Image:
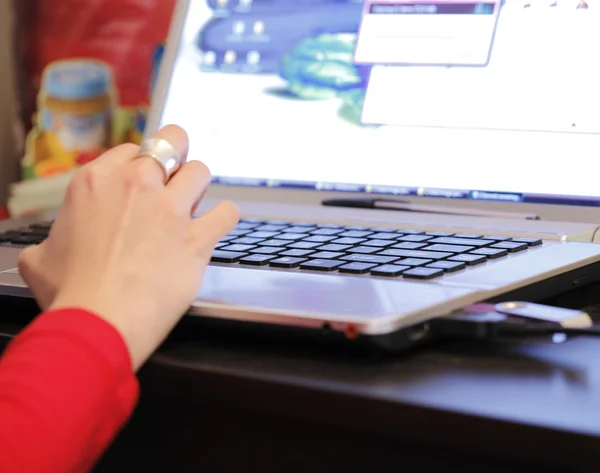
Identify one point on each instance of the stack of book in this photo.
(39, 195)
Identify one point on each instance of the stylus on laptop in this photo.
(402, 205)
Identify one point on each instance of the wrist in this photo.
(141, 323)
(101, 307)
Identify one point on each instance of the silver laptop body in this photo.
(392, 311)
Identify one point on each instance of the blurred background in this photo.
(76, 78)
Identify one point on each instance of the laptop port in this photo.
(419, 332)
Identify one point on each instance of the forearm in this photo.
(66, 388)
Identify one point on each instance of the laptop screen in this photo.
(487, 100)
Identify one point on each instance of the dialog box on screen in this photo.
(427, 33)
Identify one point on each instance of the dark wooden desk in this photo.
(210, 405)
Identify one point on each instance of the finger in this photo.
(115, 157)
(178, 139)
(210, 227)
(175, 135)
(125, 153)
(188, 185)
(197, 203)
(150, 169)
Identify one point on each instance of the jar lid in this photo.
(77, 80)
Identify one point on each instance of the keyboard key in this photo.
(355, 234)
(283, 223)
(383, 236)
(356, 268)
(228, 238)
(275, 242)
(330, 225)
(263, 235)
(217, 246)
(41, 225)
(290, 236)
(319, 238)
(17, 238)
(252, 220)
(267, 250)
(304, 224)
(327, 255)
(389, 270)
(497, 238)
(270, 228)
(246, 225)
(415, 238)
(450, 248)
(384, 230)
(447, 266)
(256, 260)
(491, 253)
(6, 237)
(238, 248)
(440, 234)
(379, 243)
(303, 245)
(414, 262)
(321, 264)
(423, 273)
(348, 241)
(29, 240)
(461, 241)
(286, 262)
(239, 232)
(219, 256)
(511, 246)
(468, 259)
(33, 231)
(468, 235)
(411, 232)
(296, 253)
(529, 241)
(370, 258)
(415, 254)
(363, 249)
(298, 229)
(247, 241)
(327, 231)
(407, 245)
(358, 228)
(334, 247)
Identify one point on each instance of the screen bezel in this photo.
(557, 212)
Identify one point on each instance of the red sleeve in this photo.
(66, 388)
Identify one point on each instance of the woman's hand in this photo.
(124, 245)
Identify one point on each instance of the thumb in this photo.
(213, 225)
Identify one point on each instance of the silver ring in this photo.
(163, 153)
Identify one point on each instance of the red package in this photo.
(123, 33)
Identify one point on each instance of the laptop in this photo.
(393, 161)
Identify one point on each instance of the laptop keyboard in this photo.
(387, 252)
(382, 252)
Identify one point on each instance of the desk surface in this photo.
(549, 394)
(526, 400)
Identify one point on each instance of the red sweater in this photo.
(66, 388)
